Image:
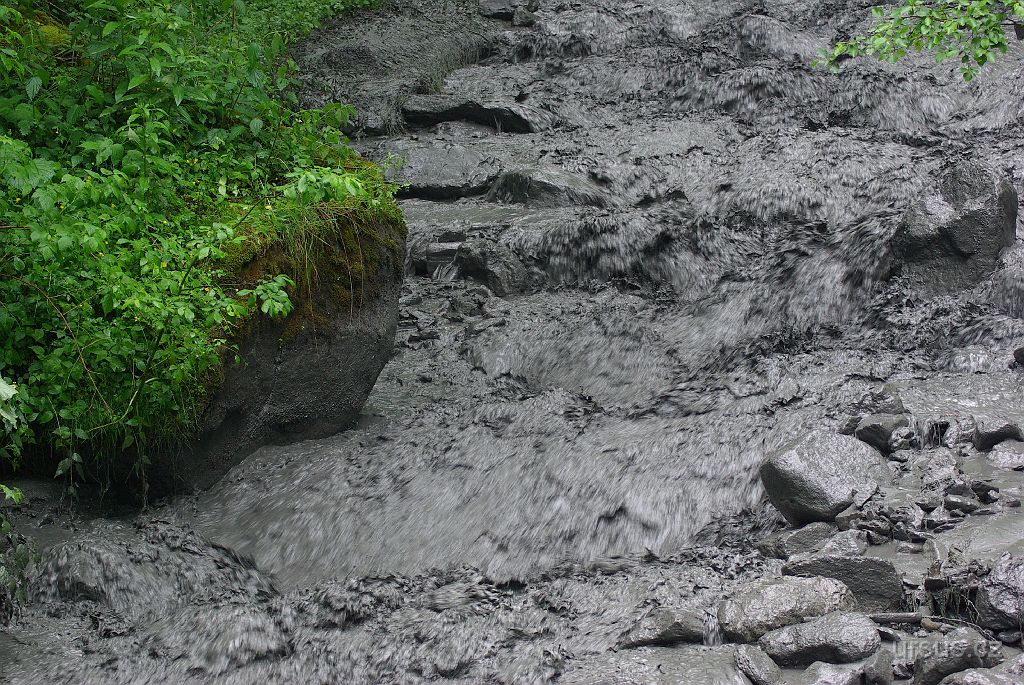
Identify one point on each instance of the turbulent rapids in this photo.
(650, 246)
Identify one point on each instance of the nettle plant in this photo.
(973, 32)
(121, 142)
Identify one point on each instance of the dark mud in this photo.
(649, 246)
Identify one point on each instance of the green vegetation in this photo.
(974, 32)
(148, 152)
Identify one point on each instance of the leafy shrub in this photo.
(121, 150)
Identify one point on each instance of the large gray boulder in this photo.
(838, 638)
(960, 650)
(664, 626)
(1000, 600)
(304, 377)
(875, 583)
(952, 237)
(779, 602)
(821, 475)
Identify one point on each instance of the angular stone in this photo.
(1000, 600)
(989, 431)
(441, 172)
(757, 665)
(785, 544)
(820, 673)
(779, 602)
(959, 650)
(878, 669)
(1007, 455)
(665, 627)
(838, 638)
(876, 429)
(849, 543)
(429, 110)
(875, 583)
(821, 475)
(952, 238)
(492, 263)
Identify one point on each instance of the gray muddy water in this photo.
(649, 244)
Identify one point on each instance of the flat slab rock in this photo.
(839, 638)
(779, 602)
(822, 474)
(875, 583)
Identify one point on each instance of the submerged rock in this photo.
(441, 172)
(952, 238)
(779, 602)
(545, 187)
(875, 583)
(430, 110)
(663, 626)
(821, 475)
(837, 638)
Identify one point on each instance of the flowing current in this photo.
(649, 244)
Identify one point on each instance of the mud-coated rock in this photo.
(1000, 600)
(875, 583)
(1007, 455)
(758, 666)
(989, 431)
(878, 669)
(510, 117)
(959, 650)
(492, 263)
(502, 9)
(779, 602)
(306, 376)
(664, 626)
(981, 676)
(838, 638)
(877, 429)
(821, 673)
(952, 237)
(821, 475)
(545, 187)
(786, 543)
(441, 172)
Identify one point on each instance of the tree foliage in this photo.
(973, 32)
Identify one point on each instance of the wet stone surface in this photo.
(650, 248)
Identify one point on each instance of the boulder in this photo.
(875, 583)
(1000, 600)
(989, 431)
(1007, 455)
(757, 665)
(882, 400)
(779, 602)
(545, 187)
(821, 475)
(877, 429)
(953, 236)
(838, 638)
(663, 627)
(849, 543)
(503, 9)
(981, 676)
(492, 263)
(308, 375)
(878, 669)
(960, 650)
(787, 543)
(441, 172)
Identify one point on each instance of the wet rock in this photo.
(758, 666)
(779, 602)
(502, 9)
(1000, 600)
(877, 429)
(1009, 637)
(430, 110)
(902, 439)
(849, 543)
(991, 430)
(1007, 455)
(523, 17)
(960, 503)
(878, 669)
(493, 264)
(789, 542)
(981, 676)
(839, 637)
(820, 673)
(883, 400)
(821, 475)
(875, 583)
(545, 187)
(961, 649)
(441, 171)
(952, 238)
(665, 627)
